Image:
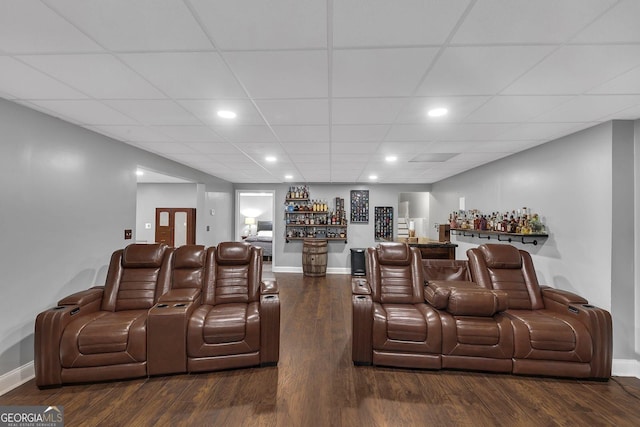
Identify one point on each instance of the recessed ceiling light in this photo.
(391, 158)
(373, 177)
(139, 172)
(437, 112)
(288, 177)
(270, 158)
(226, 114)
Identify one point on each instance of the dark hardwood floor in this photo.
(316, 384)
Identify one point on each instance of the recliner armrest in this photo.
(269, 286)
(360, 286)
(563, 297)
(83, 297)
(465, 298)
(180, 295)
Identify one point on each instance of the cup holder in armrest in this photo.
(361, 297)
(59, 307)
(162, 305)
(180, 305)
(588, 306)
(269, 297)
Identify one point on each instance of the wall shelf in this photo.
(525, 239)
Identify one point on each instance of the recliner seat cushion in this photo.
(104, 338)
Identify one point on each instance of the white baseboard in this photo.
(625, 368)
(17, 377)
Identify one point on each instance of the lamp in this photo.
(250, 222)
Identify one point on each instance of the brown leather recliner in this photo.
(238, 323)
(392, 324)
(101, 333)
(556, 332)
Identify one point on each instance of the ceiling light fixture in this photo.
(373, 177)
(139, 172)
(288, 177)
(391, 158)
(270, 158)
(437, 112)
(226, 114)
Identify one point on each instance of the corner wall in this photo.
(571, 182)
(66, 196)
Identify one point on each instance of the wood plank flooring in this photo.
(316, 384)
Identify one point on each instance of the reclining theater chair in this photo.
(101, 333)
(556, 332)
(393, 326)
(238, 323)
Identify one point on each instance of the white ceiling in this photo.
(328, 87)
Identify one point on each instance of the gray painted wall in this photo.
(152, 196)
(66, 196)
(572, 184)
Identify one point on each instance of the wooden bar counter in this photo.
(432, 249)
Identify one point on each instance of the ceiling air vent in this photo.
(433, 157)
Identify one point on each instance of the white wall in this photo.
(66, 197)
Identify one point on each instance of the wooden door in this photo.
(176, 226)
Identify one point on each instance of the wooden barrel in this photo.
(314, 257)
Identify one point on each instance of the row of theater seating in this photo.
(487, 313)
(162, 311)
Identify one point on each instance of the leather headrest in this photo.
(233, 253)
(140, 255)
(394, 253)
(501, 256)
(189, 256)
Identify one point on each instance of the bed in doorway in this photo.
(263, 238)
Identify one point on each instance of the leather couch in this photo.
(415, 313)
(137, 324)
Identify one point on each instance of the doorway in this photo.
(176, 226)
(254, 219)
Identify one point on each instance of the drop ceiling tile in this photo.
(133, 133)
(361, 133)
(23, 82)
(302, 133)
(246, 133)
(295, 111)
(100, 76)
(212, 147)
(359, 149)
(632, 113)
(361, 111)
(276, 24)
(570, 70)
(481, 158)
(458, 108)
(619, 24)
(479, 70)
(503, 109)
(190, 133)
(403, 149)
(306, 147)
(383, 23)
(626, 83)
(123, 25)
(85, 111)
(282, 74)
(590, 108)
(154, 112)
(541, 131)
(32, 27)
(447, 131)
(186, 75)
(206, 110)
(523, 21)
(311, 158)
(480, 146)
(261, 149)
(379, 72)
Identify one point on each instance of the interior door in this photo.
(176, 226)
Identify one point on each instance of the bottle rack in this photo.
(307, 219)
(525, 239)
(383, 227)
